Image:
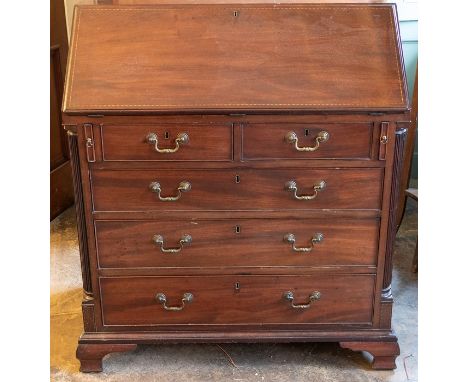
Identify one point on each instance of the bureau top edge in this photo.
(240, 112)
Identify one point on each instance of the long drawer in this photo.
(237, 243)
(243, 189)
(321, 299)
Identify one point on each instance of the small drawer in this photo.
(167, 142)
(237, 243)
(244, 189)
(253, 300)
(307, 141)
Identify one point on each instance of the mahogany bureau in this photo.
(236, 172)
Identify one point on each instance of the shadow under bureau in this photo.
(236, 173)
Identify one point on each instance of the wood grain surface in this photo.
(191, 58)
(346, 141)
(236, 243)
(129, 142)
(218, 189)
(259, 299)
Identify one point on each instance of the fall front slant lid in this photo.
(255, 58)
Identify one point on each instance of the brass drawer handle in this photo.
(292, 186)
(162, 299)
(292, 138)
(183, 187)
(182, 139)
(291, 239)
(289, 296)
(184, 240)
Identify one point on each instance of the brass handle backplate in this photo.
(182, 139)
(291, 137)
(186, 299)
(184, 240)
(291, 239)
(183, 187)
(292, 186)
(289, 296)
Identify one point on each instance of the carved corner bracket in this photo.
(384, 353)
(91, 355)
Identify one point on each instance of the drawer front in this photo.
(138, 190)
(237, 300)
(307, 141)
(167, 142)
(236, 243)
